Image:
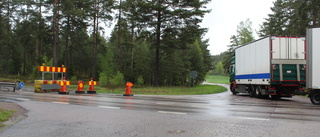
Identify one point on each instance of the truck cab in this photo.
(232, 75)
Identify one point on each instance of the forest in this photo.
(153, 42)
(288, 18)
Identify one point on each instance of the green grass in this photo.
(149, 90)
(217, 79)
(4, 116)
(7, 80)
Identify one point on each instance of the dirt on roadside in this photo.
(19, 113)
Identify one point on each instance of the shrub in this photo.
(140, 81)
(103, 79)
(117, 80)
(74, 80)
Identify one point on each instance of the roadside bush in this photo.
(35, 73)
(140, 81)
(117, 80)
(74, 80)
(103, 79)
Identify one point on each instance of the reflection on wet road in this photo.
(218, 105)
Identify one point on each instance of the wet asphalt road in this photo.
(104, 115)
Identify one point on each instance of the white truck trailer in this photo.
(274, 65)
(313, 64)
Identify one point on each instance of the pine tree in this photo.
(244, 35)
(161, 15)
(291, 17)
(276, 22)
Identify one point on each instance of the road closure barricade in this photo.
(44, 86)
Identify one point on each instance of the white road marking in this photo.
(105, 99)
(109, 107)
(61, 103)
(261, 119)
(24, 99)
(202, 105)
(165, 103)
(170, 112)
(137, 101)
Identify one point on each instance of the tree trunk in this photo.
(119, 26)
(1, 38)
(94, 42)
(67, 42)
(132, 43)
(55, 33)
(24, 60)
(157, 57)
(95, 49)
(6, 54)
(39, 48)
(118, 55)
(95, 17)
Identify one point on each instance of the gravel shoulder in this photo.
(19, 113)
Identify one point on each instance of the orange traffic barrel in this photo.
(80, 88)
(91, 84)
(128, 89)
(63, 84)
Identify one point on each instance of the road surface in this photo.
(223, 114)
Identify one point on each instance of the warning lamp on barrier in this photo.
(80, 88)
(128, 89)
(91, 84)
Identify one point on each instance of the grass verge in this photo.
(5, 115)
(217, 79)
(149, 90)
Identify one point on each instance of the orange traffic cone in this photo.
(128, 89)
(80, 88)
(91, 84)
(63, 84)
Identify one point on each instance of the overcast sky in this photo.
(227, 14)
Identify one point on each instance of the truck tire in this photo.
(265, 96)
(315, 98)
(257, 92)
(251, 91)
(233, 90)
(275, 97)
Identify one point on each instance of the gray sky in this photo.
(227, 14)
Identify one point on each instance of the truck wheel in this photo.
(315, 98)
(234, 91)
(265, 96)
(275, 97)
(251, 91)
(258, 92)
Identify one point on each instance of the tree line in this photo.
(153, 42)
(288, 18)
(291, 17)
